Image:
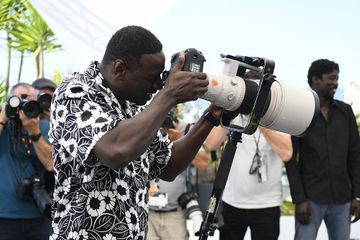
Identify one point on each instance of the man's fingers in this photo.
(303, 217)
(179, 62)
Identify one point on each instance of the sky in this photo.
(292, 33)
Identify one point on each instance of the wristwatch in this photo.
(35, 137)
(208, 116)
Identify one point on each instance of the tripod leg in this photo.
(207, 227)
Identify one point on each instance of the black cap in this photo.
(44, 83)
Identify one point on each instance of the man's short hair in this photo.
(319, 67)
(129, 43)
(44, 83)
(20, 84)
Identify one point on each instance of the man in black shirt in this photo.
(324, 172)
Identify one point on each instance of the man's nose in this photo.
(336, 82)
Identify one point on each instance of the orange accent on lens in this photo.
(214, 82)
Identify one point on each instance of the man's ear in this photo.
(119, 68)
(315, 80)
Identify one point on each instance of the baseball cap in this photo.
(44, 83)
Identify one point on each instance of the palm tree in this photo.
(33, 35)
(10, 13)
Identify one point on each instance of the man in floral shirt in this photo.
(107, 146)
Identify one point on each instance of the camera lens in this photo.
(188, 202)
(31, 108)
(44, 100)
(12, 107)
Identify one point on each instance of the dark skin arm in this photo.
(201, 159)
(185, 149)
(116, 148)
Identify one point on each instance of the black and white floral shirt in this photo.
(92, 201)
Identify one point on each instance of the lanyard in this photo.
(256, 163)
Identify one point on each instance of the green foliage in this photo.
(10, 13)
(32, 34)
(26, 32)
(358, 120)
(3, 93)
(57, 78)
(287, 209)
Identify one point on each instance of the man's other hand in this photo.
(302, 212)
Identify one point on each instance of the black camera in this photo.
(189, 203)
(170, 119)
(33, 190)
(44, 100)
(32, 109)
(194, 62)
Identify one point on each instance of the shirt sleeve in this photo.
(354, 154)
(293, 174)
(79, 124)
(159, 154)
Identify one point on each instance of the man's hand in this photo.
(355, 209)
(219, 112)
(31, 125)
(3, 117)
(302, 212)
(185, 86)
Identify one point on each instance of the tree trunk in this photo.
(42, 62)
(37, 66)
(7, 78)
(20, 67)
(39, 59)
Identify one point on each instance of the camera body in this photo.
(33, 190)
(32, 109)
(189, 203)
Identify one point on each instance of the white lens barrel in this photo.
(291, 109)
(225, 91)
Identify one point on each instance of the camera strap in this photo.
(20, 153)
(256, 163)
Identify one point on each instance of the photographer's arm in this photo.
(3, 118)
(279, 142)
(185, 149)
(216, 138)
(201, 160)
(42, 148)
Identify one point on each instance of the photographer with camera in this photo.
(108, 146)
(171, 203)
(46, 89)
(25, 155)
(253, 192)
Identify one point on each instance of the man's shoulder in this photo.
(78, 84)
(343, 106)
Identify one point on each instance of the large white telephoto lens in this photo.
(287, 109)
